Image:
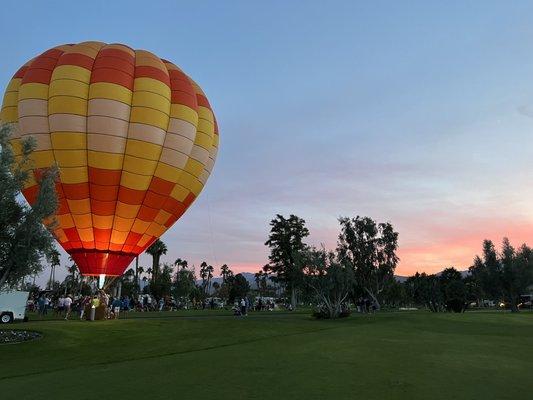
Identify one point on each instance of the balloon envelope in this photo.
(134, 138)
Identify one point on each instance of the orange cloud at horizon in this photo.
(459, 250)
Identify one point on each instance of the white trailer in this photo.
(13, 305)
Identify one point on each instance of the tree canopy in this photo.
(24, 239)
(369, 248)
(286, 252)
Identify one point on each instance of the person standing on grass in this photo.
(60, 305)
(83, 303)
(116, 307)
(243, 307)
(161, 304)
(67, 304)
(126, 303)
(40, 304)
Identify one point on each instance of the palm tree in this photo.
(210, 270)
(203, 274)
(156, 250)
(181, 263)
(225, 272)
(136, 285)
(206, 273)
(54, 262)
(73, 271)
(258, 276)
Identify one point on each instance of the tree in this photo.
(225, 272)
(206, 274)
(184, 284)
(181, 264)
(73, 278)
(257, 278)
(227, 281)
(394, 294)
(506, 275)
(369, 249)
(139, 271)
(156, 250)
(137, 283)
(426, 290)
(24, 240)
(286, 252)
(239, 288)
(517, 272)
(261, 281)
(453, 289)
(54, 261)
(161, 285)
(486, 273)
(329, 280)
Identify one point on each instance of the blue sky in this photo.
(420, 114)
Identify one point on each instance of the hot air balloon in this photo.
(134, 139)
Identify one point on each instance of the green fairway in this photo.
(199, 355)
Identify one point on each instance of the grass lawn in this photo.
(212, 355)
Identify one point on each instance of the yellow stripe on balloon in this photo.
(33, 91)
(73, 175)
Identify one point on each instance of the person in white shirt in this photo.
(67, 303)
(60, 305)
(243, 307)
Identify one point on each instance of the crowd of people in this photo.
(365, 305)
(104, 306)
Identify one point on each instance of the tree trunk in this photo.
(376, 302)
(3, 279)
(137, 283)
(293, 298)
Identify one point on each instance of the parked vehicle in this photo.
(13, 306)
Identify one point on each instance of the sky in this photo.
(416, 113)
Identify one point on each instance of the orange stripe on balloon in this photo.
(111, 52)
(144, 71)
(102, 207)
(161, 186)
(103, 193)
(173, 206)
(72, 234)
(102, 235)
(102, 176)
(76, 191)
(147, 214)
(154, 200)
(21, 72)
(133, 238)
(79, 60)
(189, 199)
(46, 63)
(130, 196)
(202, 101)
(110, 75)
